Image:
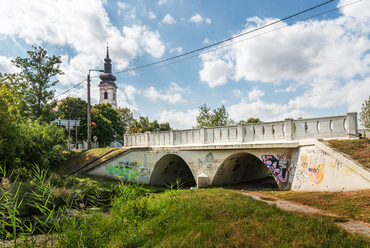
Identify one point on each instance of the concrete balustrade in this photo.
(343, 126)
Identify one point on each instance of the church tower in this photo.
(108, 87)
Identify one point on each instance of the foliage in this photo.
(37, 72)
(214, 118)
(144, 125)
(41, 144)
(75, 109)
(365, 113)
(253, 120)
(8, 128)
(109, 126)
(126, 116)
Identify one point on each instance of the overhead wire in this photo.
(226, 40)
(220, 47)
(221, 42)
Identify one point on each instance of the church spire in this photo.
(108, 87)
(107, 64)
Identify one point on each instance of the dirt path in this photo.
(350, 226)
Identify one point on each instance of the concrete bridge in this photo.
(294, 152)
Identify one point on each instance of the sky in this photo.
(312, 65)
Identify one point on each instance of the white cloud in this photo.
(168, 19)
(206, 41)
(179, 119)
(290, 88)
(152, 15)
(172, 95)
(7, 66)
(160, 2)
(262, 110)
(359, 10)
(177, 50)
(197, 18)
(255, 95)
(122, 6)
(84, 30)
(130, 92)
(216, 72)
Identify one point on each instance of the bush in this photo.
(41, 144)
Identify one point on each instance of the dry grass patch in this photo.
(78, 158)
(350, 204)
(359, 149)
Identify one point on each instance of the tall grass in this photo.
(178, 218)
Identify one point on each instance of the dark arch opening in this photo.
(241, 168)
(170, 168)
(105, 95)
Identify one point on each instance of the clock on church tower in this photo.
(108, 87)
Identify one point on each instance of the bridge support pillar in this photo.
(352, 124)
(289, 129)
(240, 133)
(203, 135)
(202, 180)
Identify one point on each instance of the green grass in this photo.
(204, 218)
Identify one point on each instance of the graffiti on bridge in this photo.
(278, 167)
(129, 170)
(315, 171)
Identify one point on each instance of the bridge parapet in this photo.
(341, 126)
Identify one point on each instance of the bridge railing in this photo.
(342, 126)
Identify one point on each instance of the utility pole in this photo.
(89, 110)
(88, 113)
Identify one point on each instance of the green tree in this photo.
(9, 134)
(37, 73)
(144, 125)
(41, 144)
(108, 124)
(250, 120)
(214, 118)
(365, 114)
(126, 117)
(75, 109)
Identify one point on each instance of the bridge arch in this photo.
(240, 167)
(170, 168)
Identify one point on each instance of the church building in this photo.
(108, 87)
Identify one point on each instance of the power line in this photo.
(69, 89)
(226, 40)
(220, 47)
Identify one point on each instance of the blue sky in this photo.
(316, 67)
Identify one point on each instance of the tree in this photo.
(108, 124)
(144, 125)
(214, 118)
(41, 144)
(37, 73)
(9, 134)
(126, 117)
(75, 109)
(365, 113)
(250, 120)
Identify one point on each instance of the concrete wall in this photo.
(319, 168)
(343, 126)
